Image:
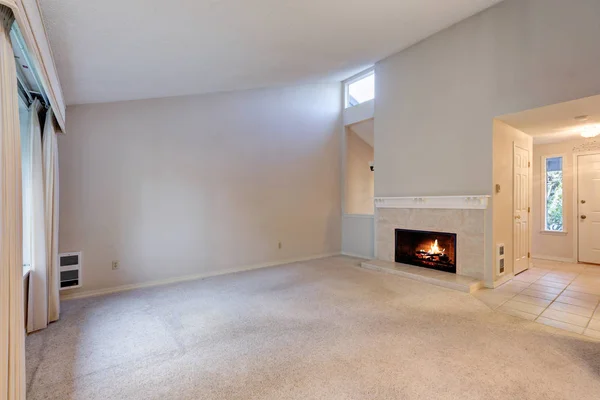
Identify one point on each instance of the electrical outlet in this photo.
(115, 265)
(279, 245)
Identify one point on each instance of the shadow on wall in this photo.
(360, 179)
(196, 185)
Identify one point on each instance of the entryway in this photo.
(555, 189)
(547, 267)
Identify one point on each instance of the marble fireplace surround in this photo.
(463, 215)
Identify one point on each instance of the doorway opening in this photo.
(546, 214)
(565, 206)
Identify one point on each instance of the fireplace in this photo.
(435, 250)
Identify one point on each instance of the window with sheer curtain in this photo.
(553, 199)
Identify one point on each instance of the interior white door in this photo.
(588, 188)
(521, 209)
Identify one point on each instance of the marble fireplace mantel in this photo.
(478, 202)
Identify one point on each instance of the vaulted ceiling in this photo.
(114, 50)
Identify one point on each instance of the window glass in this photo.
(26, 181)
(554, 194)
(361, 90)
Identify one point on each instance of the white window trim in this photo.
(353, 79)
(554, 233)
(544, 231)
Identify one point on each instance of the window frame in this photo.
(544, 195)
(356, 78)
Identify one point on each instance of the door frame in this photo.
(576, 199)
(529, 201)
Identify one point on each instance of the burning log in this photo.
(434, 254)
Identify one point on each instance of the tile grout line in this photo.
(522, 290)
(592, 317)
(507, 300)
(552, 302)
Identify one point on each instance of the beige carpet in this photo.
(317, 330)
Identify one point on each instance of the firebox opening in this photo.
(435, 250)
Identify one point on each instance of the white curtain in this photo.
(33, 201)
(50, 164)
(12, 333)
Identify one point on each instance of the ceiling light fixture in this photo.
(590, 131)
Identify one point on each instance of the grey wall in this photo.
(358, 235)
(439, 97)
(200, 185)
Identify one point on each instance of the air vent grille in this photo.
(70, 270)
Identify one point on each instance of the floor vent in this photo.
(70, 270)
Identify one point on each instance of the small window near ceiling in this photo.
(360, 89)
(553, 204)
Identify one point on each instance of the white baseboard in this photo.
(345, 253)
(551, 258)
(124, 288)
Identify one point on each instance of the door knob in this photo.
(582, 201)
(517, 217)
(583, 217)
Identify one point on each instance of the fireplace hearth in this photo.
(434, 250)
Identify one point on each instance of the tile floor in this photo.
(562, 295)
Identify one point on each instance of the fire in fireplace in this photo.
(435, 250)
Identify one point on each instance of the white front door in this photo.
(521, 209)
(588, 187)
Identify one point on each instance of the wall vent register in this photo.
(70, 270)
(500, 258)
